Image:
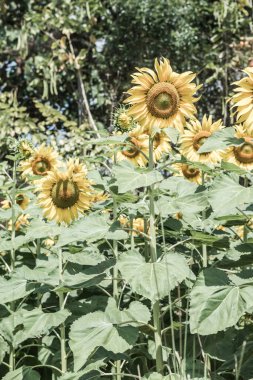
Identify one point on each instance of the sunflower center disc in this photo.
(189, 171)
(244, 153)
(41, 166)
(132, 149)
(200, 139)
(65, 193)
(20, 199)
(163, 100)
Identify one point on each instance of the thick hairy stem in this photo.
(153, 256)
(204, 247)
(62, 327)
(13, 253)
(115, 281)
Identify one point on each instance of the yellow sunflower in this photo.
(42, 160)
(138, 224)
(21, 200)
(241, 155)
(63, 195)
(25, 148)
(21, 221)
(243, 99)
(136, 148)
(161, 145)
(195, 136)
(189, 172)
(123, 121)
(162, 98)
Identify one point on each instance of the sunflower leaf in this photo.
(130, 178)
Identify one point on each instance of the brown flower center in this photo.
(40, 166)
(132, 149)
(189, 171)
(200, 138)
(65, 193)
(20, 199)
(163, 100)
(244, 153)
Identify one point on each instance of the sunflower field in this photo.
(126, 190)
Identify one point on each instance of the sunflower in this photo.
(243, 99)
(63, 195)
(189, 172)
(138, 224)
(161, 144)
(136, 148)
(195, 136)
(242, 155)
(162, 98)
(20, 222)
(123, 121)
(42, 160)
(25, 148)
(20, 199)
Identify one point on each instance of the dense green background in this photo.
(111, 38)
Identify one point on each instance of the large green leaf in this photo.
(90, 228)
(129, 177)
(217, 302)
(13, 289)
(36, 323)
(220, 140)
(153, 280)
(189, 204)
(114, 330)
(226, 195)
(22, 373)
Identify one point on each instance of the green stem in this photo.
(204, 248)
(62, 327)
(116, 293)
(13, 253)
(153, 256)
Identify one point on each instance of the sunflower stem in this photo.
(13, 253)
(204, 248)
(153, 256)
(62, 327)
(116, 294)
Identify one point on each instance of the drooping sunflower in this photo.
(42, 160)
(63, 195)
(20, 199)
(162, 98)
(195, 136)
(241, 155)
(243, 99)
(136, 148)
(188, 171)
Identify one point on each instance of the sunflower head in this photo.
(64, 195)
(188, 171)
(242, 99)
(136, 147)
(20, 200)
(123, 121)
(20, 222)
(42, 160)
(195, 136)
(242, 155)
(25, 148)
(162, 97)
